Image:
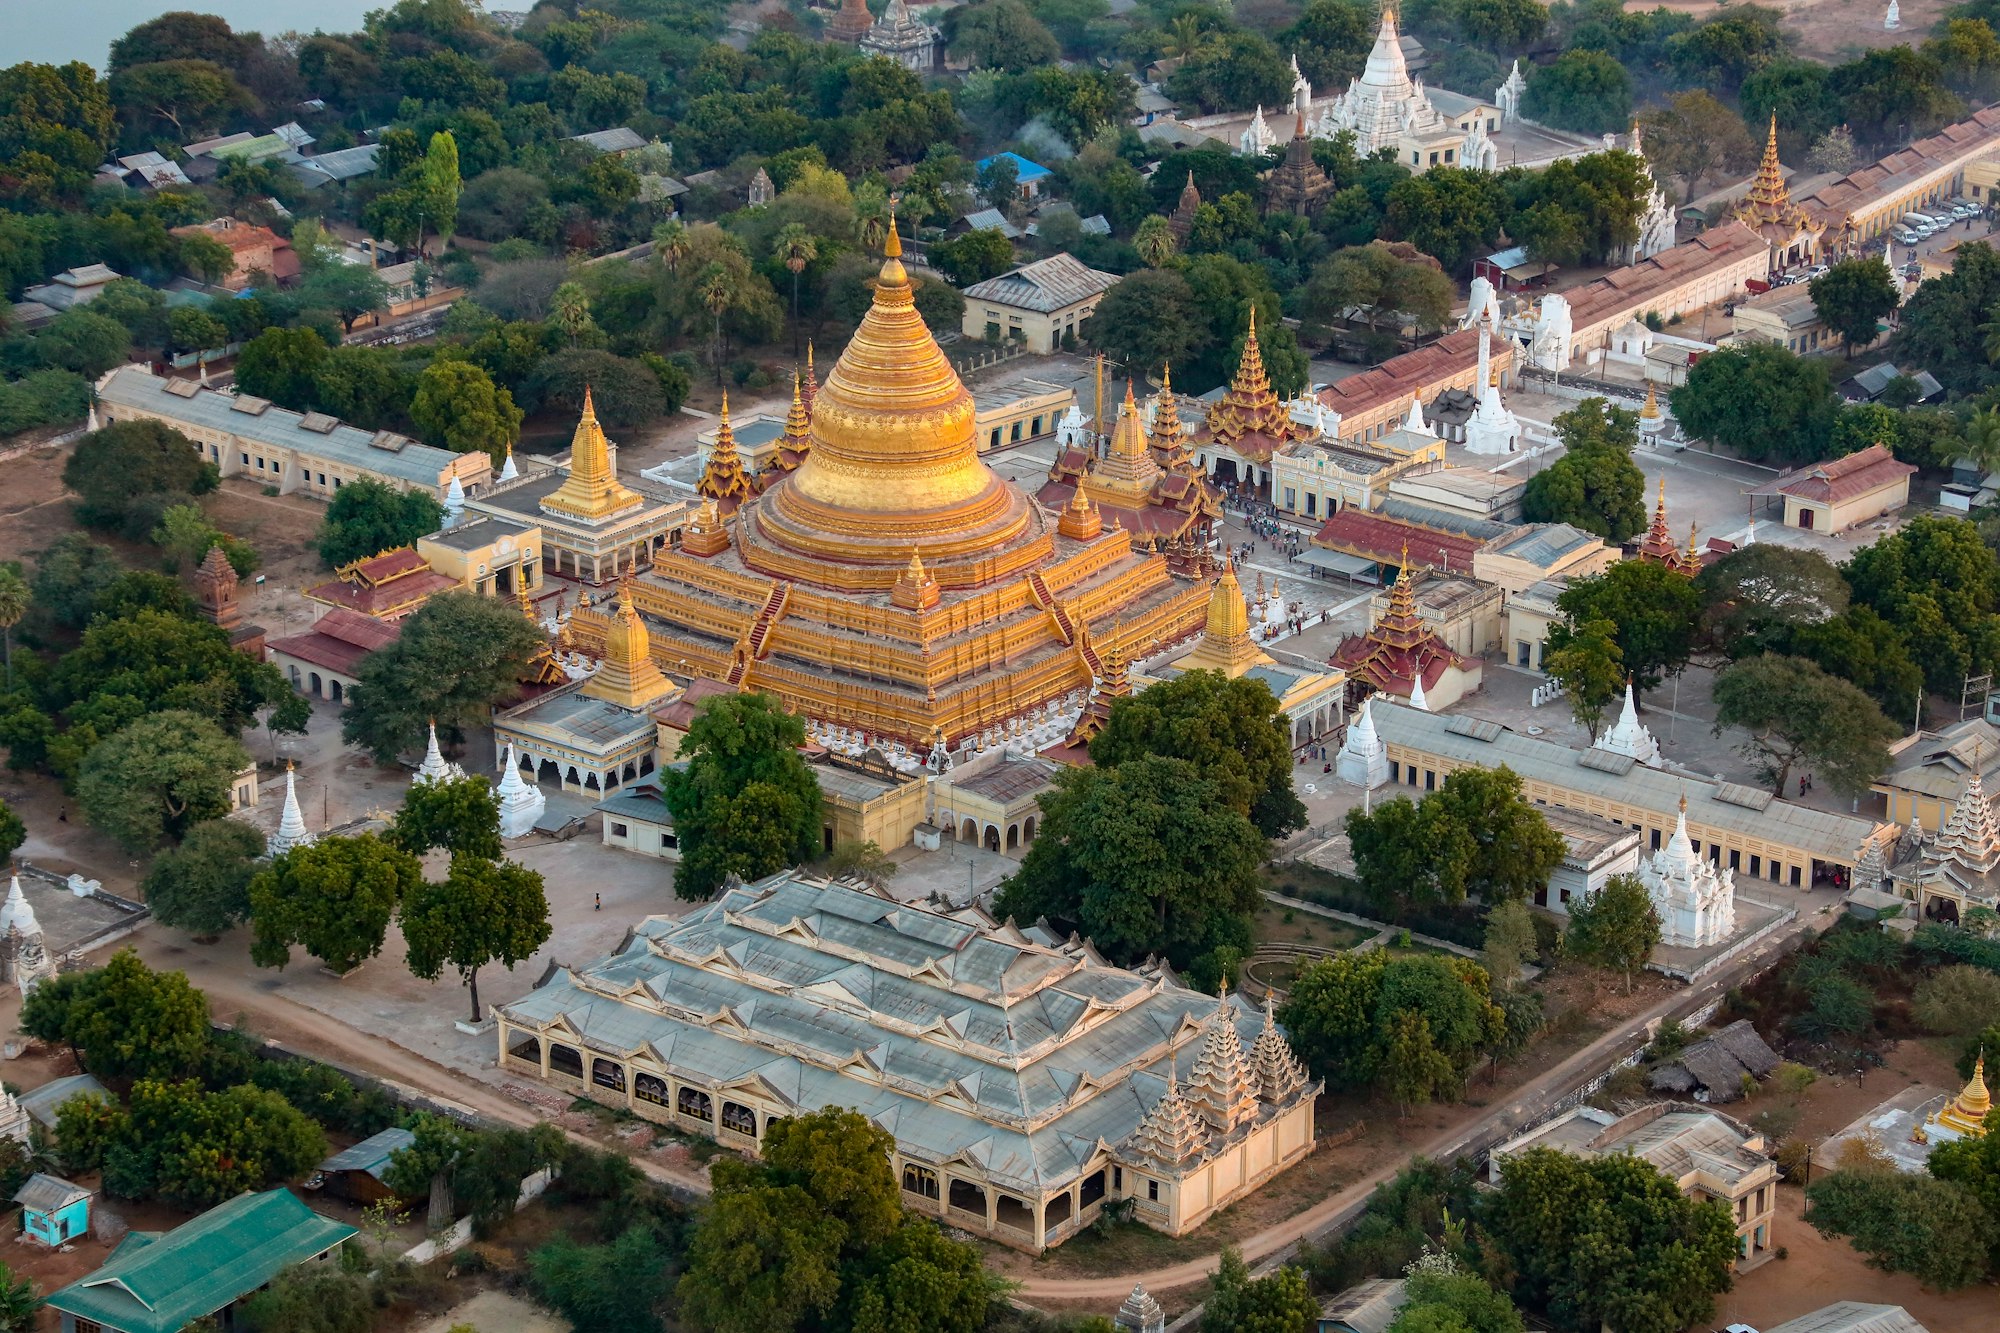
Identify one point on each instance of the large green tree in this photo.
(1763, 588)
(458, 407)
(333, 898)
(1609, 1240)
(1379, 283)
(368, 517)
(121, 473)
(1279, 1302)
(1148, 319)
(745, 803)
(1936, 1229)
(1000, 34)
(1934, 331)
(283, 365)
(1760, 400)
(1587, 663)
(1595, 485)
(203, 886)
(1938, 585)
(457, 656)
(1231, 730)
(124, 1020)
(1799, 717)
(1693, 136)
(1615, 928)
(460, 815)
(197, 1149)
(155, 779)
(127, 666)
(1147, 857)
(1853, 297)
(1653, 607)
(56, 121)
(1476, 834)
(484, 912)
(1586, 91)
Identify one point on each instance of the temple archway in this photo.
(970, 832)
(992, 838)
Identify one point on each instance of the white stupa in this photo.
(1415, 423)
(1363, 759)
(508, 472)
(521, 801)
(292, 830)
(1629, 736)
(1417, 700)
(1696, 898)
(1492, 428)
(454, 501)
(26, 962)
(436, 768)
(1508, 95)
(1255, 141)
(1893, 19)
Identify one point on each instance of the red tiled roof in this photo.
(1832, 204)
(1402, 375)
(680, 713)
(1843, 479)
(1356, 532)
(339, 640)
(378, 599)
(390, 564)
(1632, 289)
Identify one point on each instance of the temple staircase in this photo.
(1065, 625)
(752, 647)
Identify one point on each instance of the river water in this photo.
(84, 29)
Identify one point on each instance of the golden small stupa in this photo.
(1226, 645)
(723, 479)
(592, 492)
(1966, 1113)
(542, 667)
(628, 677)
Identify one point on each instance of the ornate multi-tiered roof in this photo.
(1129, 485)
(592, 492)
(1181, 221)
(799, 600)
(1659, 546)
(292, 830)
(723, 479)
(1400, 654)
(1792, 233)
(1249, 420)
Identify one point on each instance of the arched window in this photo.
(920, 1181)
(608, 1074)
(565, 1060)
(740, 1118)
(695, 1102)
(649, 1089)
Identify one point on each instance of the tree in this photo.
(426, 1164)
(1145, 857)
(569, 311)
(1510, 942)
(70, 578)
(203, 886)
(457, 655)
(1585, 91)
(186, 98)
(1155, 242)
(1853, 297)
(348, 290)
(1799, 716)
(82, 341)
(1894, 95)
(1280, 1302)
(156, 778)
(486, 911)
(746, 803)
(458, 407)
(62, 115)
(622, 1287)
(1454, 1302)
(1147, 319)
(121, 472)
(1759, 400)
(1693, 136)
(460, 815)
(1587, 663)
(625, 391)
(1615, 928)
(1937, 584)
(124, 1020)
(1932, 332)
(1231, 71)
(1958, 1001)
(1974, 1165)
(440, 186)
(974, 257)
(919, 1278)
(15, 600)
(1595, 485)
(311, 1298)
(1609, 1240)
(282, 365)
(1413, 1069)
(1378, 282)
(1763, 588)
(1510, 848)
(796, 249)
(1000, 34)
(1332, 39)
(1451, 213)
(850, 859)
(197, 1149)
(1653, 607)
(333, 898)
(129, 665)
(1231, 730)
(367, 517)
(193, 330)
(1934, 1229)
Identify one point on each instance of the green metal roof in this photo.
(162, 1284)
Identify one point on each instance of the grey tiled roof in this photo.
(1542, 544)
(1853, 1317)
(1045, 286)
(1006, 1048)
(1830, 837)
(616, 140)
(418, 465)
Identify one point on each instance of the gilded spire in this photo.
(592, 491)
(628, 675)
(1770, 200)
(1225, 643)
(1127, 471)
(1250, 407)
(1220, 1084)
(1080, 519)
(723, 480)
(812, 378)
(915, 589)
(1691, 557)
(1967, 1112)
(1277, 1068)
(1659, 546)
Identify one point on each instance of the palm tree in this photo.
(871, 216)
(14, 601)
(17, 1303)
(797, 248)
(1184, 36)
(717, 291)
(671, 243)
(1982, 440)
(1155, 242)
(570, 308)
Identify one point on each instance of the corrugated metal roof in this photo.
(372, 1154)
(42, 1103)
(1045, 286)
(48, 1194)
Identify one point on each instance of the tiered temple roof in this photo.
(723, 479)
(1399, 653)
(1768, 208)
(592, 492)
(628, 676)
(1181, 221)
(385, 586)
(1249, 419)
(1130, 485)
(1659, 547)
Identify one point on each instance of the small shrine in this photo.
(521, 802)
(216, 591)
(24, 954)
(1492, 428)
(1297, 184)
(1157, 504)
(1248, 423)
(723, 480)
(902, 37)
(1402, 656)
(1696, 898)
(435, 767)
(1181, 221)
(1363, 758)
(1658, 545)
(292, 831)
(1959, 868)
(1629, 736)
(1964, 1116)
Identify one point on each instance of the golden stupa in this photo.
(1966, 1113)
(819, 594)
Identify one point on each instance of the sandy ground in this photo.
(1829, 30)
(497, 1312)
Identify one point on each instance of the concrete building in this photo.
(1316, 478)
(494, 557)
(252, 249)
(1833, 496)
(1529, 614)
(1485, 497)
(310, 452)
(1037, 304)
(1787, 317)
(1538, 552)
(990, 801)
(325, 661)
(1711, 1156)
(1594, 849)
(1931, 769)
(1870, 200)
(1019, 412)
(867, 800)
(1756, 835)
(637, 820)
(1852, 1317)
(72, 287)
(1027, 1083)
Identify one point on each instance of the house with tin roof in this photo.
(160, 1282)
(1836, 495)
(1036, 304)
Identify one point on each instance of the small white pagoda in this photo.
(24, 956)
(521, 802)
(1629, 736)
(292, 831)
(1493, 428)
(1363, 758)
(436, 768)
(1696, 898)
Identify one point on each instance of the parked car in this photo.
(1904, 236)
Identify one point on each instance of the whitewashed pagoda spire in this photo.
(1363, 758)
(292, 831)
(25, 961)
(521, 802)
(436, 768)
(1628, 736)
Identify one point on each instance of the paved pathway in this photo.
(1338, 1210)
